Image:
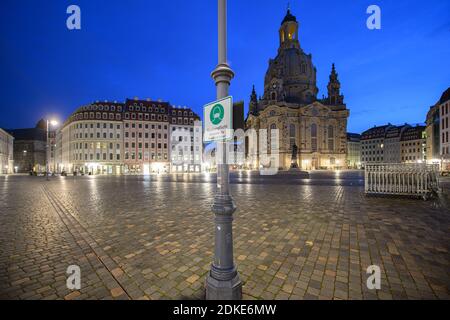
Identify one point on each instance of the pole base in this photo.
(223, 289)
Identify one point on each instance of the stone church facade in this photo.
(313, 129)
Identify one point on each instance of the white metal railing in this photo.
(402, 179)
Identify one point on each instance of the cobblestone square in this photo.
(152, 238)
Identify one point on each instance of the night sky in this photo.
(167, 49)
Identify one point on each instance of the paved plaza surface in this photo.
(296, 237)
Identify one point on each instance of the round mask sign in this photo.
(217, 113)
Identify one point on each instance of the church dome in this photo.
(291, 76)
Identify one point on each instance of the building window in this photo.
(331, 138)
(314, 137)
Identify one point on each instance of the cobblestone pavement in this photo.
(152, 238)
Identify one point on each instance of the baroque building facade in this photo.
(353, 150)
(186, 146)
(29, 148)
(444, 107)
(6, 152)
(393, 144)
(120, 138)
(433, 122)
(313, 129)
(413, 145)
(372, 144)
(91, 140)
(391, 147)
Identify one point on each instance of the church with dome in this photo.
(312, 131)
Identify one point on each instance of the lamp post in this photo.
(53, 123)
(222, 282)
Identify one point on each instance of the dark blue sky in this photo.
(167, 49)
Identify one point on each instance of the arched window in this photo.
(314, 137)
(330, 138)
(273, 127)
(274, 96)
(303, 68)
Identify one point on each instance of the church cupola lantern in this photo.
(289, 32)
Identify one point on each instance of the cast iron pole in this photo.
(222, 282)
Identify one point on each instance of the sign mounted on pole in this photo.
(218, 117)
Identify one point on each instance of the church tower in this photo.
(334, 89)
(253, 107)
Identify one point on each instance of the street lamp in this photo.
(53, 123)
(223, 282)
